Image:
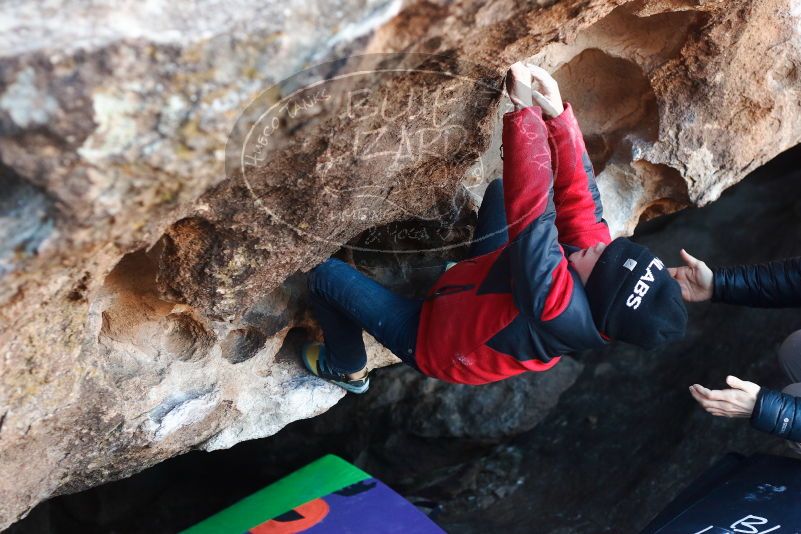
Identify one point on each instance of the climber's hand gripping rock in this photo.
(529, 84)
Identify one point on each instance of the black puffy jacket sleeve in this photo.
(768, 285)
(777, 413)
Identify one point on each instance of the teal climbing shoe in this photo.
(313, 356)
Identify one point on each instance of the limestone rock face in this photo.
(152, 277)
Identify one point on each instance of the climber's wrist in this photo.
(551, 108)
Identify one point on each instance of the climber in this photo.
(543, 277)
(770, 285)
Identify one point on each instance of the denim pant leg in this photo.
(345, 301)
(491, 228)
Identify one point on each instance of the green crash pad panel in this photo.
(328, 495)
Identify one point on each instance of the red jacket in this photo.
(520, 307)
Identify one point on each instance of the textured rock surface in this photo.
(619, 445)
(146, 300)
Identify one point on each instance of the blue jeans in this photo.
(345, 301)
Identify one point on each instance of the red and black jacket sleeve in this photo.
(768, 285)
(541, 282)
(579, 212)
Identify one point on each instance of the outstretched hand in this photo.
(695, 279)
(739, 401)
(527, 83)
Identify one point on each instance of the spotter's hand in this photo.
(739, 401)
(695, 279)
